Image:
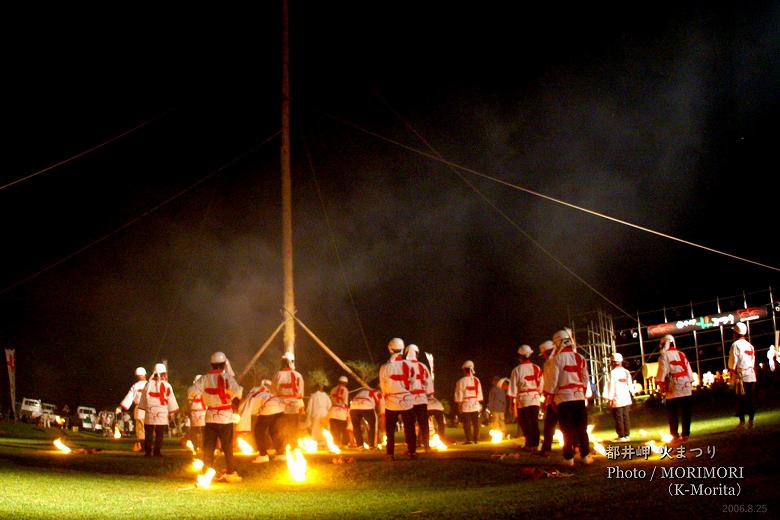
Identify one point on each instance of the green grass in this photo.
(463, 482)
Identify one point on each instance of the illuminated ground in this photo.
(463, 482)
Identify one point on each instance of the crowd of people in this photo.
(558, 391)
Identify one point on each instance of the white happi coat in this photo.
(674, 369)
(618, 388)
(158, 401)
(339, 398)
(218, 389)
(250, 407)
(197, 408)
(742, 360)
(468, 394)
(287, 385)
(395, 377)
(569, 380)
(366, 399)
(317, 410)
(526, 384)
(133, 397)
(434, 404)
(421, 384)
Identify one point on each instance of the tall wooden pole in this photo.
(287, 239)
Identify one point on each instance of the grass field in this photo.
(469, 481)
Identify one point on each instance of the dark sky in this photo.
(659, 114)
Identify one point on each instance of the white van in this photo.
(30, 409)
(87, 416)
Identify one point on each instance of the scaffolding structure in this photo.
(598, 331)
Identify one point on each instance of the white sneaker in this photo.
(587, 459)
(625, 439)
(261, 458)
(568, 462)
(233, 477)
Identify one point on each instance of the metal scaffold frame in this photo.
(598, 348)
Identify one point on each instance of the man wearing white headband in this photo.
(469, 398)
(674, 379)
(617, 392)
(742, 365)
(396, 376)
(287, 385)
(159, 403)
(525, 388)
(221, 393)
(132, 398)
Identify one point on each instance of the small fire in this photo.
(384, 442)
(204, 481)
(496, 436)
(61, 446)
(437, 444)
(191, 446)
(366, 446)
(590, 428)
(654, 447)
(236, 418)
(296, 463)
(599, 448)
(308, 445)
(245, 447)
(197, 464)
(329, 439)
(558, 437)
(667, 438)
(643, 433)
(117, 433)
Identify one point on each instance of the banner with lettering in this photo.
(706, 322)
(10, 361)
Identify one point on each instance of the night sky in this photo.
(658, 114)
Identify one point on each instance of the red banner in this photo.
(706, 322)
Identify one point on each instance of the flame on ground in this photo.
(558, 436)
(245, 447)
(190, 446)
(61, 446)
(197, 464)
(496, 436)
(204, 481)
(436, 443)
(307, 444)
(117, 433)
(655, 448)
(329, 439)
(643, 433)
(599, 448)
(366, 446)
(296, 463)
(236, 418)
(383, 443)
(667, 438)
(590, 428)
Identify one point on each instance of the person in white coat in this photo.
(618, 390)
(525, 388)
(158, 402)
(422, 387)
(132, 398)
(197, 415)
(395, 377)
(367, 405)
(674, 379)
(742, 366)
(221, 394)
(316, 413)
(567, 389)
(287, 385)
(338, 415)
(469, 399)
(269, 410)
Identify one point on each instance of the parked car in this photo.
(87, 418)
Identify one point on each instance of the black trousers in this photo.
(550, 422)
(339, 430)
(196, 435)
(288, 429)
(622, 421)
(357, 418)
(676, 409)
(746, 402)
(154, 434)
(223, 432)
(528, 422)
(267, 434)
(421, 418)
(574, 423)
(438, 419)
(470, 422)
(391, 419)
